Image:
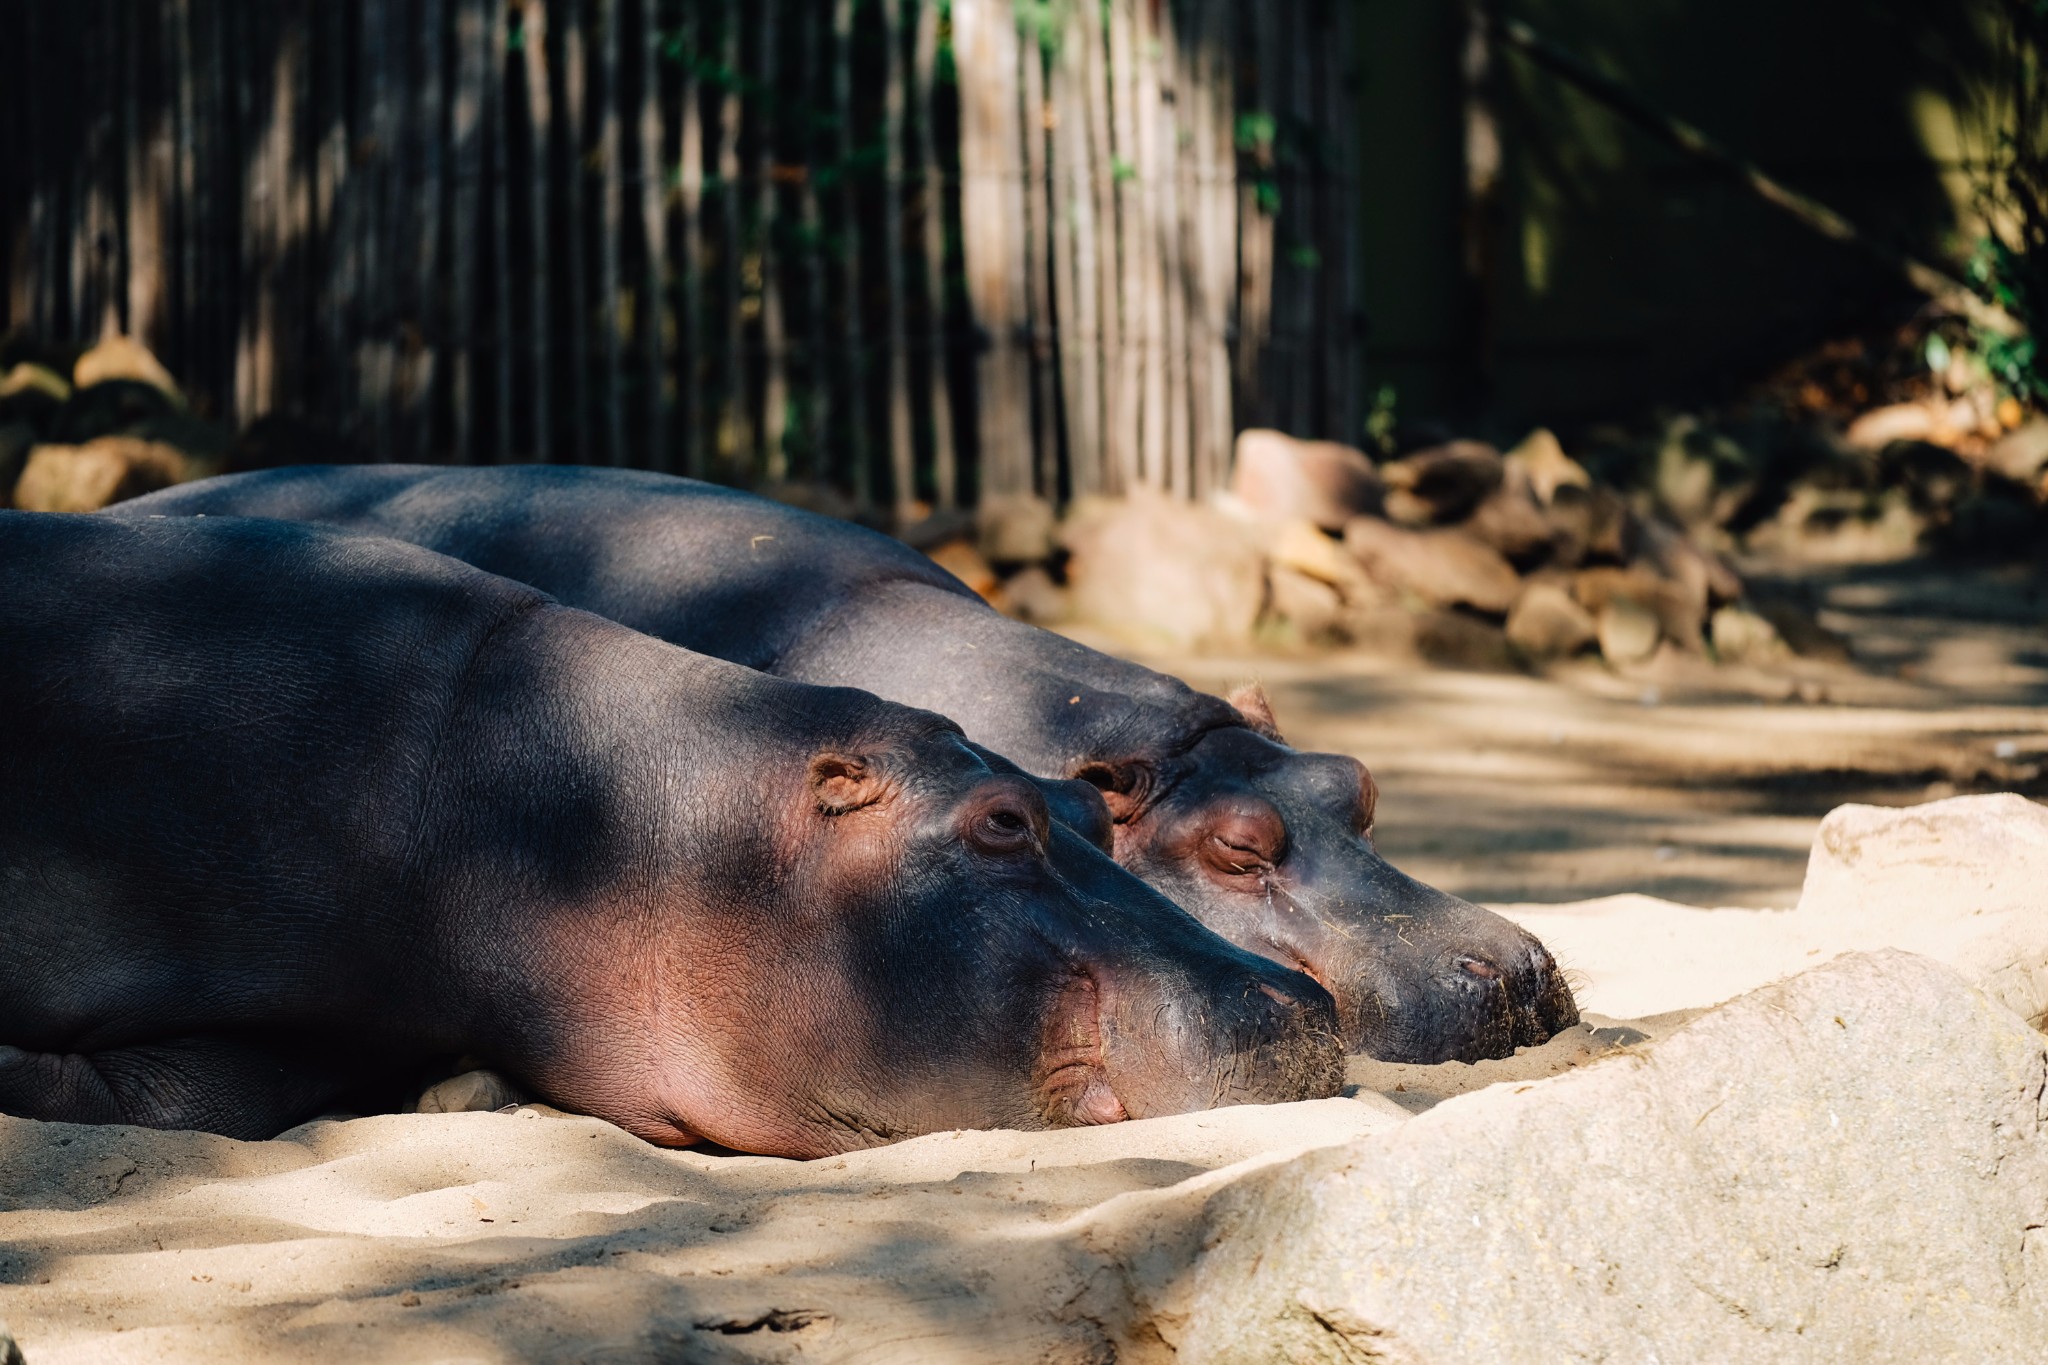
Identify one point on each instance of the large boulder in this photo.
(1157, 569)
(85, 478)
(1279, 478)
(1849, 1165)
(1539, 461)
(1443, 567)
(1545, 623)
(125, 358)
(2021, 454)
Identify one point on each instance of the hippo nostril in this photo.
(1480, 967)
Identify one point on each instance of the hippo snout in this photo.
(1481, 1001)
(1258, 1034)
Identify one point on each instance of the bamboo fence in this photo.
(922, 252)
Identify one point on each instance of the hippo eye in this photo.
(1004, 830)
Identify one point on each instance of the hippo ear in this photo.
(1251, 703)
(1124, 785)
(842, 783)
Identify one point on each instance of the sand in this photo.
(528, 1235)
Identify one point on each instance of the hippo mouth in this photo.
(1073, 1074)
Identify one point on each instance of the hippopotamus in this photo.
(1267, 845)
(287, 815)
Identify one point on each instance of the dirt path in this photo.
(1682, 781)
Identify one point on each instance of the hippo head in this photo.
(919, 947)
(1272, 848)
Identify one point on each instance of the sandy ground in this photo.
(527, 1235)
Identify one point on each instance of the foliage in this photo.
(2010, 265)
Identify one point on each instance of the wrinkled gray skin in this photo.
(286, 815)
(1269, 846)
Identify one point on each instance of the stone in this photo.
(1441, 484)
(112, 407)
(1157, 569)
(1545, 623)
(1704, 577)
(472, 1092)
(1300, 546)
(29, 378)
(1031, 595)
(1680, 615)
(1540, 461)
(1512, 521)
(1280, 478)
(1443, 567)
(1966, 875)
(1851, 1164)
(964, 562)
(1879, 427)
(10, 1350)
(1628, 631)
(120, 357)
(1743, 637)
(1308, 605)
(2021, 454)
(1454, 639)
(1015, 529)
(85, 478)
(16, 440)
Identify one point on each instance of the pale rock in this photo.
(1678, 613)
(88, 477)
(1443, 567)
(121, 357)
(1277, 477)
(1541, 461)
(1512, 521)
(1879, 427)
(1744, 637)
(1628, 631)
(1015, 529)
(471, 1092)
(2021, 454)
(29, 377)
(1968, 877)
(1158, 569)
(1545, 623)
(1310, 605)
(1031, 595)
(1848, 1165)
(1302, 547)
(964, 562)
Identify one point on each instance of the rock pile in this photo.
(77, 434)
(1473, 556)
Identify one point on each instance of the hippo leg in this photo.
(219, 1085)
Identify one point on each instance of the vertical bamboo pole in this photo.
(533, 29)
(817, 351)
(1165, 50)
(1255, 235)
(985, 48)
(1103, 181)
(902, 466)
(1132, 257)
(465, 129)
(1297, 225)
(690, 368)
(1480, 205)
(141, 229)
(653, 301)
(1075, 253)
(932, 212)
(330, 170)
(1151, 166)
(575, 224)
(611, 213)
(428, 221)
(853, 334)
(1342, 378)
(497, 116)
(774, 347)
(1220, 224)
(734, 440)
(1037, 223)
